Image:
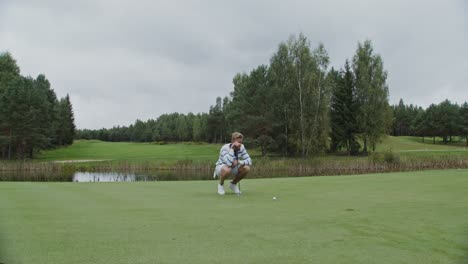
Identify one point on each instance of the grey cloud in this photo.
(123, 60)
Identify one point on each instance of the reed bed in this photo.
(263, 167)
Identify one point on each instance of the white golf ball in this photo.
(274, 198)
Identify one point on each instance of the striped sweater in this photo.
(227, 156)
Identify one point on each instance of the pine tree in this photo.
(70, 120)
(464, 123)
(216, 122)
(337, 111)
(418, 124)
(51, 117)
(66, 130)
(343, 111)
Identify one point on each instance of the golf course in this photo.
(405, 217)
(136, 152)
(416, 217)
(230, 132)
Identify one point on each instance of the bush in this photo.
(355, 147)
(194, 143)
(389, 157)
(159, 143)
(376, 157)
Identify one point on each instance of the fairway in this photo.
(415, 144)
(415, 217)
(101, 150)
(140, 152)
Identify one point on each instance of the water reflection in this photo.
(34, 176)
(103, 177)
(157, 175)
(146, 176)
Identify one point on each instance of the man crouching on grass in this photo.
(233, 159)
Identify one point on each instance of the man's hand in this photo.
(234, 163)
(236, 145)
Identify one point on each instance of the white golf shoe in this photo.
(234, 188)
(220, 189)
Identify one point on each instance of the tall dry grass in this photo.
(263, 167)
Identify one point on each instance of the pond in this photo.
(103, 176)
(156, 175)
(132, 177)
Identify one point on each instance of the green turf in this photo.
(100, 150)
(416, 217)
(415, 144)
(135, 152)
(414, 148)
(457, 141)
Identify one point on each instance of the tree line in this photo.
(445, 120)
(172, 127)
(293, 106)
(32, 118)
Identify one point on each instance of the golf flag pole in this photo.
(238, 183)
(237, 165)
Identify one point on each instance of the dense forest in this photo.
(292, 106)
(445, 120)
(298, 105)
(295, 106)
(32, 118)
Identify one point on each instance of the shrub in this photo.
(391, 157)
(388, 157)
(159, 143)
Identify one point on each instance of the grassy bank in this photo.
(147, 152)
(418, 217)
(128, 151)
(393, 154)
(405, 143)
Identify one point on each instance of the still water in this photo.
(157, 175)
(105, 176)
(132, 177)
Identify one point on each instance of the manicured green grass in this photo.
(415, 217)
(128, 151)
(100, 150)
(414, 148)
(415, 144)
(127, 156)
(456, 141)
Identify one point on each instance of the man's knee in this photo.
(225, 170)
(244, 169)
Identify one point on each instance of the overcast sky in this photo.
(127, 60)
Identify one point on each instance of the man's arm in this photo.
(228, 156)
(244, 156)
